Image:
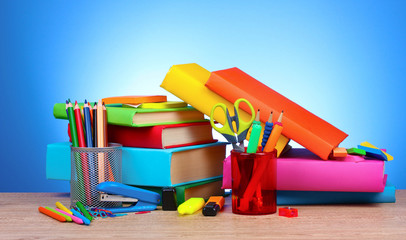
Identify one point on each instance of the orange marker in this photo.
(51, 214)
(213, 205)
(275, 134)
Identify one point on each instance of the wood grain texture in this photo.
(20, 219)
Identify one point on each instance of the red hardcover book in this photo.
(162, 136)
(300, 125)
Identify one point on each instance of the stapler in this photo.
(143, 200)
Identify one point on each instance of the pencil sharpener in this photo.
(288, 212)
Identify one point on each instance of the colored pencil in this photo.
(72, 124)
(78, 118)
(94, 110)
(100, 140)
(106, 144)
(83, 156)
(88, 125)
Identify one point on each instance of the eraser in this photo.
(339, 152)
(356, 151)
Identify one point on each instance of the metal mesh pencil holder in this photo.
(91, 166)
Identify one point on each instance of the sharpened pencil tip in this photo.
(85, 101)
(257, 116)
(280, 117)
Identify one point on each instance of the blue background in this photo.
(344, 61)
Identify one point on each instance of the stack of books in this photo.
(320, 173)
(165, 145)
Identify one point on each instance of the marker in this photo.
(267, 131)
(62, 207)
(74, 219)
(67, 218)
(213, 205)
(51, 214)
(77, 214)
(255, 134)
(191, 206)
(275, 134)
(84, 211)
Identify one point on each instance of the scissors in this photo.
(228, 130)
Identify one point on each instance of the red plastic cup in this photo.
(253, 182)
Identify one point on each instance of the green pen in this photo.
(84, 211)
(255, 134)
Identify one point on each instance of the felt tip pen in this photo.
(213, 205)
(275, 134)
(51, 214)
(67, 218)
(267, 131)
(74, 219)
(255, 135)
(84, 211)
(62, 207)
(77, 214)
(191, 206)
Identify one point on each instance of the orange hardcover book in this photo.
(134, 99)
(300, 125)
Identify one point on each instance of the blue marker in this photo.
(267, 131)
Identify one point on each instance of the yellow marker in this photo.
(191, 206)
(63, 208)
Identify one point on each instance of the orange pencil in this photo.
(106, 143)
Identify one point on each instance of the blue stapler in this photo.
(144, 200)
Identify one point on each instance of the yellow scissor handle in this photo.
(243, 125)
(226, 129)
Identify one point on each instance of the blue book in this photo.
(149, 166)
(315, 197)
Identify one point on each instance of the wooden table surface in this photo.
(20, 219)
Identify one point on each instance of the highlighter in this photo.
(255, 134)
(275, 134)
(213, 205)
(191, 206)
